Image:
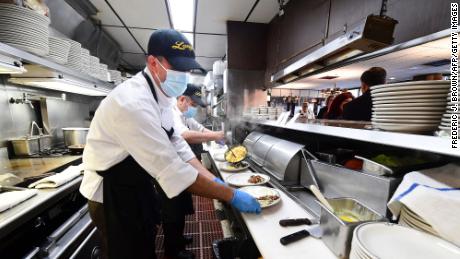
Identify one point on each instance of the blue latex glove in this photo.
(245, 202)
(221, 142)
(219, 181)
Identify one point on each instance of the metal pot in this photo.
(75, 136)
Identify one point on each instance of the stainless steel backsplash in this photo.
(15, 119)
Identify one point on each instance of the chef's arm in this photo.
(201, 169)
(205, 187)
(198, 137)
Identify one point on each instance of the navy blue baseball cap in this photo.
(173, 45)
(194, 92)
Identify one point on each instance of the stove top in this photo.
(54, 152)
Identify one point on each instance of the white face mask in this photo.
(175, 83)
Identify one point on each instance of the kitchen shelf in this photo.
(30, 58)
(427, 143)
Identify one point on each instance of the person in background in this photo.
(335, 112)
(174, 210)
(184, 123)
(322, 112)
(360, 109)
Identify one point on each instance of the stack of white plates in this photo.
(447, 116)
(412, 107)
(94, 66)
(389, 241)
(85, 61)
(75, 57)
(59, 50)
(103, 70)
(25, 29)
(410, 219)
(115, 76)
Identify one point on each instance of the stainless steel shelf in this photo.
(410, 141)
(27, 57)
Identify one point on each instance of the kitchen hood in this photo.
(9, 65)
(38, 76)
(372, 33)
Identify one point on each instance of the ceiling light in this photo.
(413, 68)
(63, 85)
(182, 12)
(392, 78)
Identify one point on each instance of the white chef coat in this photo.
(129, 122)
(182, 124)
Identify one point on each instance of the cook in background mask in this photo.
(133, 156)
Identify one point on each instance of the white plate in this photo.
(408, 117)
(411, 88)
(241, 180)
(410, 100)
(259, 191)
(384, 240)
(406, 113)
(412, 97)
(410, 93)
(409, 108)
(412, 83)
(407, 128)
(425, 104)
(405, 121)
(229, 168)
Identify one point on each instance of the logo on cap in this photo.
(180, 45)
(197, 93)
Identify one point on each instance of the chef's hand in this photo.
(218, 135)
(219, 181)
(245, 202)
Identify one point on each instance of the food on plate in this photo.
(267, 199)
(236, 165)
(255, 179)
(236, 154)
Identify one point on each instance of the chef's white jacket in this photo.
(182, 124)
(129, 122)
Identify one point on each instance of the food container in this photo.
(26, 146)
(45, 142)
(75, 136)
(337, 233)
(418, 161)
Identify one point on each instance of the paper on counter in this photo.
(58, 179)
(13, 198)
(434, 195)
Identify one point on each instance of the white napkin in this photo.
(12, 198)
(58, 179)
(434, 195)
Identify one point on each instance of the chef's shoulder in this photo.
(133, 94)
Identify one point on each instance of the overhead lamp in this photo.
(182, 16)
(60, 84)
(10, 66)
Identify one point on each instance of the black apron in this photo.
(131, 207)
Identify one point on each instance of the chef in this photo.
(174, 210)
(184, 123)
(132, 151)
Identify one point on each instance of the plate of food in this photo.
(234, 167)
(248, 179)
(266, 196)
